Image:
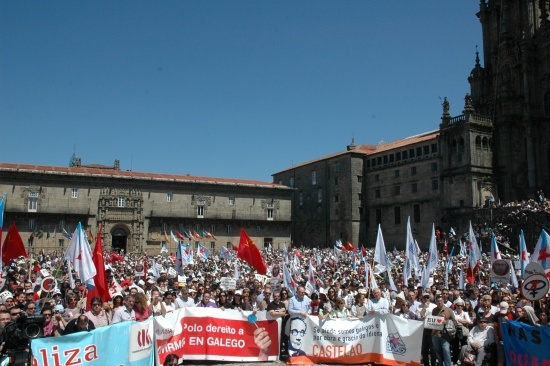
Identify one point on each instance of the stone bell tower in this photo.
(512, 86)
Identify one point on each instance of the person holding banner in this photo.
(299, 305)
(340, 311)
(378, 304)
(440, 339)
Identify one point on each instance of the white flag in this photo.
(79, 254)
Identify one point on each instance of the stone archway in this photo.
(119, 239)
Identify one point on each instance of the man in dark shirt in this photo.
(80, 324)
(276, 308)
(441, 343)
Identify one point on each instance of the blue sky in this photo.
(234, 89)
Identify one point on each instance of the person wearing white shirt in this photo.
(126, 311)
(481, 336)
(378, 304)
(184, 301)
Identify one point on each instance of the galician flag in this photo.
(542, 250)
(79, 254)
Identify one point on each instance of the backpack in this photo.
(450, 329)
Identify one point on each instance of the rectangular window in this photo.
(121, 202)
(335, 198)
(435, 185)
(169, 197)
(231, 200)
(405, 155)
(336, 167)
(163, 227)
(314, 177)
(61, 243)
(377, 177)
(335, 181)
(378, 216)
(411, 153)
(397, 214)
(301, 199)
(379, 160)
(228, 245)
(29, 242)
(291, 182)
(396, 173)
(373, 162)
(258, 229)
(212, 245)
(434, 167)
(360, 197)
(368, 163)
(416, 213)
(270, 214)
(32, 224)
(33, 204)
(397, 190)
(200, 211)
(426, 150)
(414, 187)
(377, 193)
(213, 229)
(74, 193)
(61, 224)
(413, 170)
(392, 158)
(359, 178)
(335, 212)
(280, 182)
(385, 159)
(398, 156)
(434, 148)
(418, 152)
(228, 229)
(319, 195)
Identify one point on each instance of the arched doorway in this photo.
(119, 239)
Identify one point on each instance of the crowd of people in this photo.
(340, 291)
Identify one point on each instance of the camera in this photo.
(17, 336)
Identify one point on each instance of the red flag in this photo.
(363, 250)
(101, 288)
(297, 253)
(180, 235)
(249, 253)
(13, 245)
(350, 246)
(234, 247)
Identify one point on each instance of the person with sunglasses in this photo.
(98, 314)
(52, 327)
(30, 308)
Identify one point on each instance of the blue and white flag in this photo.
(225, 253)
(202, 251)
(79, 254)
(431, 263)
(541, 254)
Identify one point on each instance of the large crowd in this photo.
(341, 291)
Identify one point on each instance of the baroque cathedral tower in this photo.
(513, 88)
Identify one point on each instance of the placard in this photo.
(261, 278)
(434, 322)
(228, 283)
(275, 283)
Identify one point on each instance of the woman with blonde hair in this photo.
(143, 312)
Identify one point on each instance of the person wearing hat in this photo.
(503, 316)
(481, 336)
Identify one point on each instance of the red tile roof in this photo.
(366, 149)
(121, 174)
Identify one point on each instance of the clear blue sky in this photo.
(235, 89)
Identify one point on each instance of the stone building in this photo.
(136, 209)
(512, 87)
(497, 149)
(437, 177)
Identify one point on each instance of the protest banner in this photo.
(228, 283)
(216, 334)
(275, 283)
(128, 343)
(525, 344)
(381, 339)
